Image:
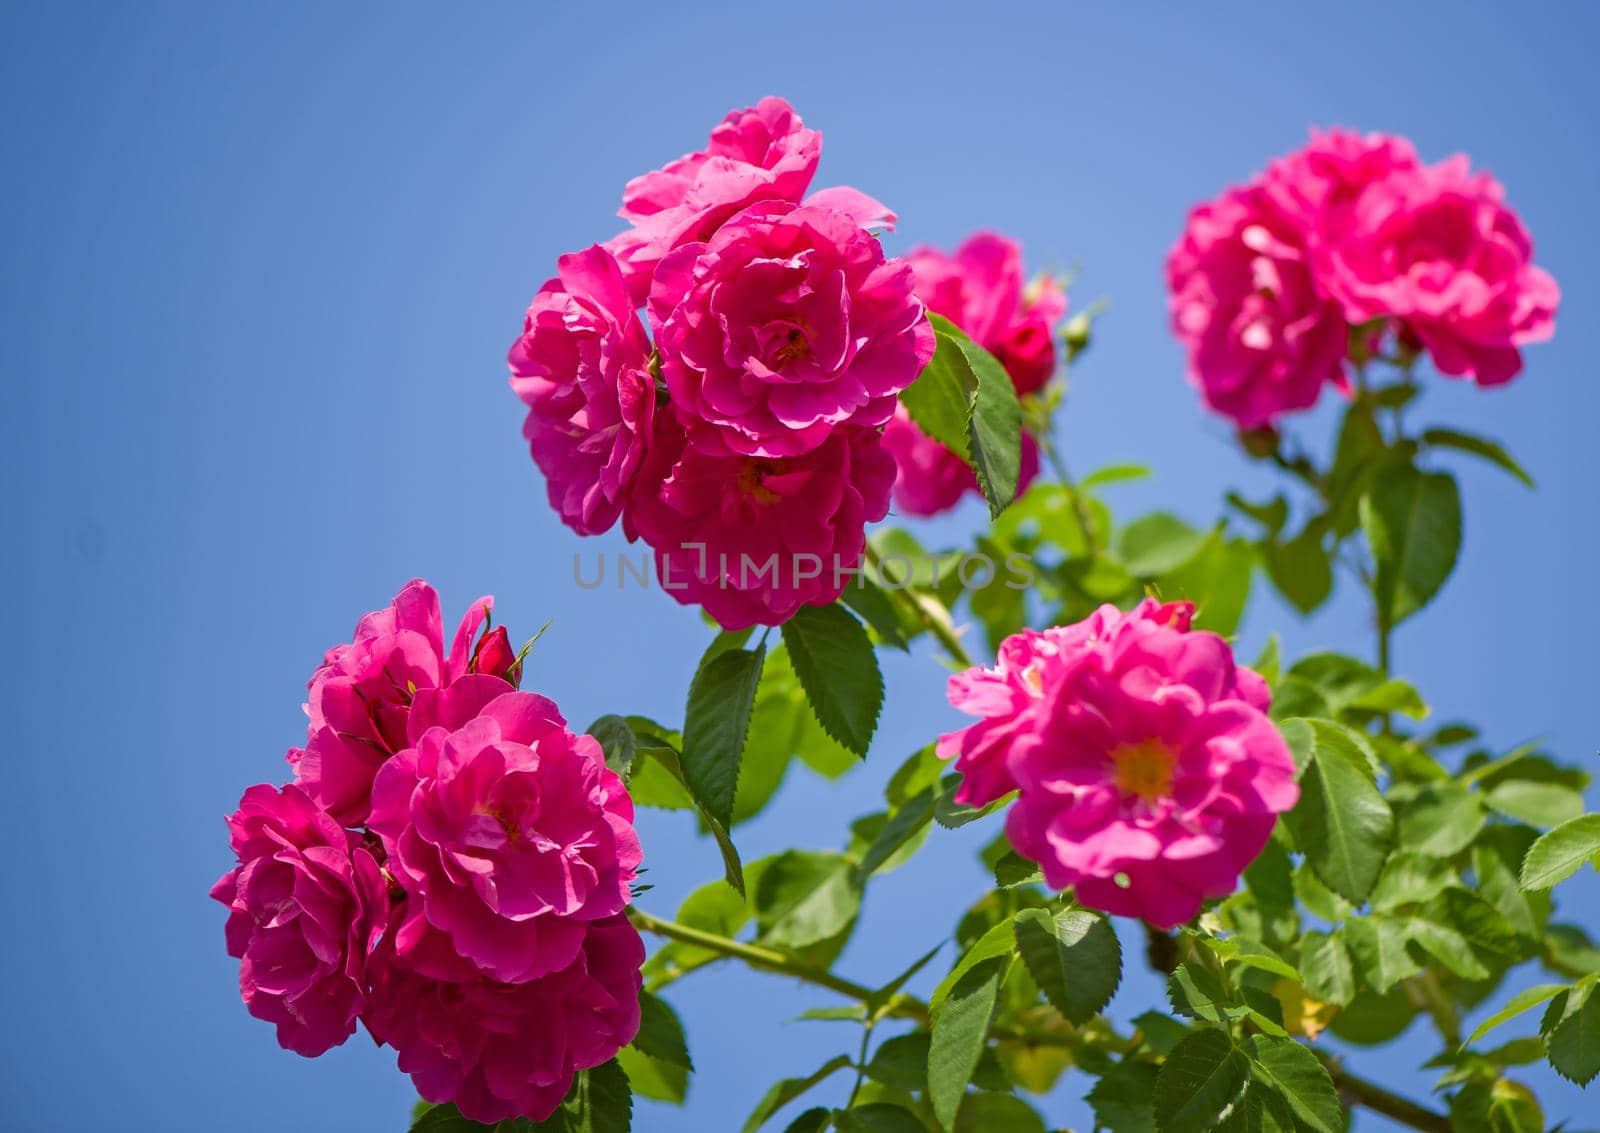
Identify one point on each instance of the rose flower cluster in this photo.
(741, 435)
(449, 867)
(981, 290)
(1269, 280)
(1147, 773)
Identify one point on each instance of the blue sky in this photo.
(262, 266)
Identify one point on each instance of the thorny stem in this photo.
(934, 624)
(903, 1006)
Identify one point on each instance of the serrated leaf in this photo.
(652, 1078)
(1440, 819)
(1477, 446)
(661, 1032)
(993, 1112)
(903, 825)
(1447, 946)
(1342, 823)
(1300, 568)
(1074, 957)
(959, 1034)
(1571, 1030)
(1124, 1098)
(1523, 1001)
(672, 770)
(834, 659)
(1536, 803)
(1195, 992)
(1412, 521)
(1000, 941)
(1203, 1076)
(804, 897)
(1325, 967)
(716, 721)
(877, 609)
(787, 1090)
(1559, 854)
(1378, 945)
(1411, 878)
(1302, 1080)
(953, 815)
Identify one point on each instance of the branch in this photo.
(903, 1006)
(934, 624)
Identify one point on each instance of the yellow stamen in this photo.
(1143, 769)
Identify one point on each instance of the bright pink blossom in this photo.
(1321, 182)
(1263, 337)
(360, 698)
(508, 833)
(760, 153)
(786, 324)
(752, 539)
(1437, 248)
(929, 478)
(1147, 773)
(499, 1050)
(981, 289)
(306, 904)
(582, 366)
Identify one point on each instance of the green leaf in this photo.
(1302, 1080)
(672, 770)
(1477, 446)
(953, 815)
(1379, 946)
(1342, 823)
(1114, 474)
(814, 1120)
(1536, 803)
(1392, 696)
(1325, 967)
(661, 1032)
(786, 1090)
(833, 657)
(903, 825)
(1074, 957)
(804, 897)
(1217, 581)
(879, 1117)
(959, 1035)
(600, 1101)
(1412, 522)
(873, 604)
(1123, 1098)
(616, 740)
(1158, 543)
(1000, 941)
(444, 1119)
(716, 721)
(1197, 993)
(1202, 1077)
(1411, 878)
(653, 1078)
(1571, 1030)
(994, 1113)
(1559, 854)
(1300, 568)
(965, 400)
(1523, 1001)
(1447, 946)
(1440, 818)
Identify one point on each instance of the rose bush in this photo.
(1305, 860)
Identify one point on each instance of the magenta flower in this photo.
(359, 700)
(980, 289)
(508, 833)
(929, 478)
(582, 366)
(762, 153)
(753, 539)
(306, 904)
(1321, 182)
(505, 1050)
(1437, 249)
(1262, 334)
(788, 323)
(1147, 773)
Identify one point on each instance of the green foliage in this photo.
(1073, 956)
(834, 659)
(1199, 1082)
(1412, 522)
(600, 1101)
(716, 721)
(1342, 823)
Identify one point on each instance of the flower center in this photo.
(751, 473)
(1143, 770)
(795, 347)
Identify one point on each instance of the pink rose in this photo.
(929, 478)
(786, 324)
(1321, 182)
(1436, 248)
(506, 1050)
(582, 366)
(752, 538)
(980, 289)
(306, 904)
(758, 154)
(1147, 773)
(508, 833)
(361, 697)
(1263, 337)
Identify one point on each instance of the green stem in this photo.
(903, 1006)
(934, 624)
(1080, 511)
